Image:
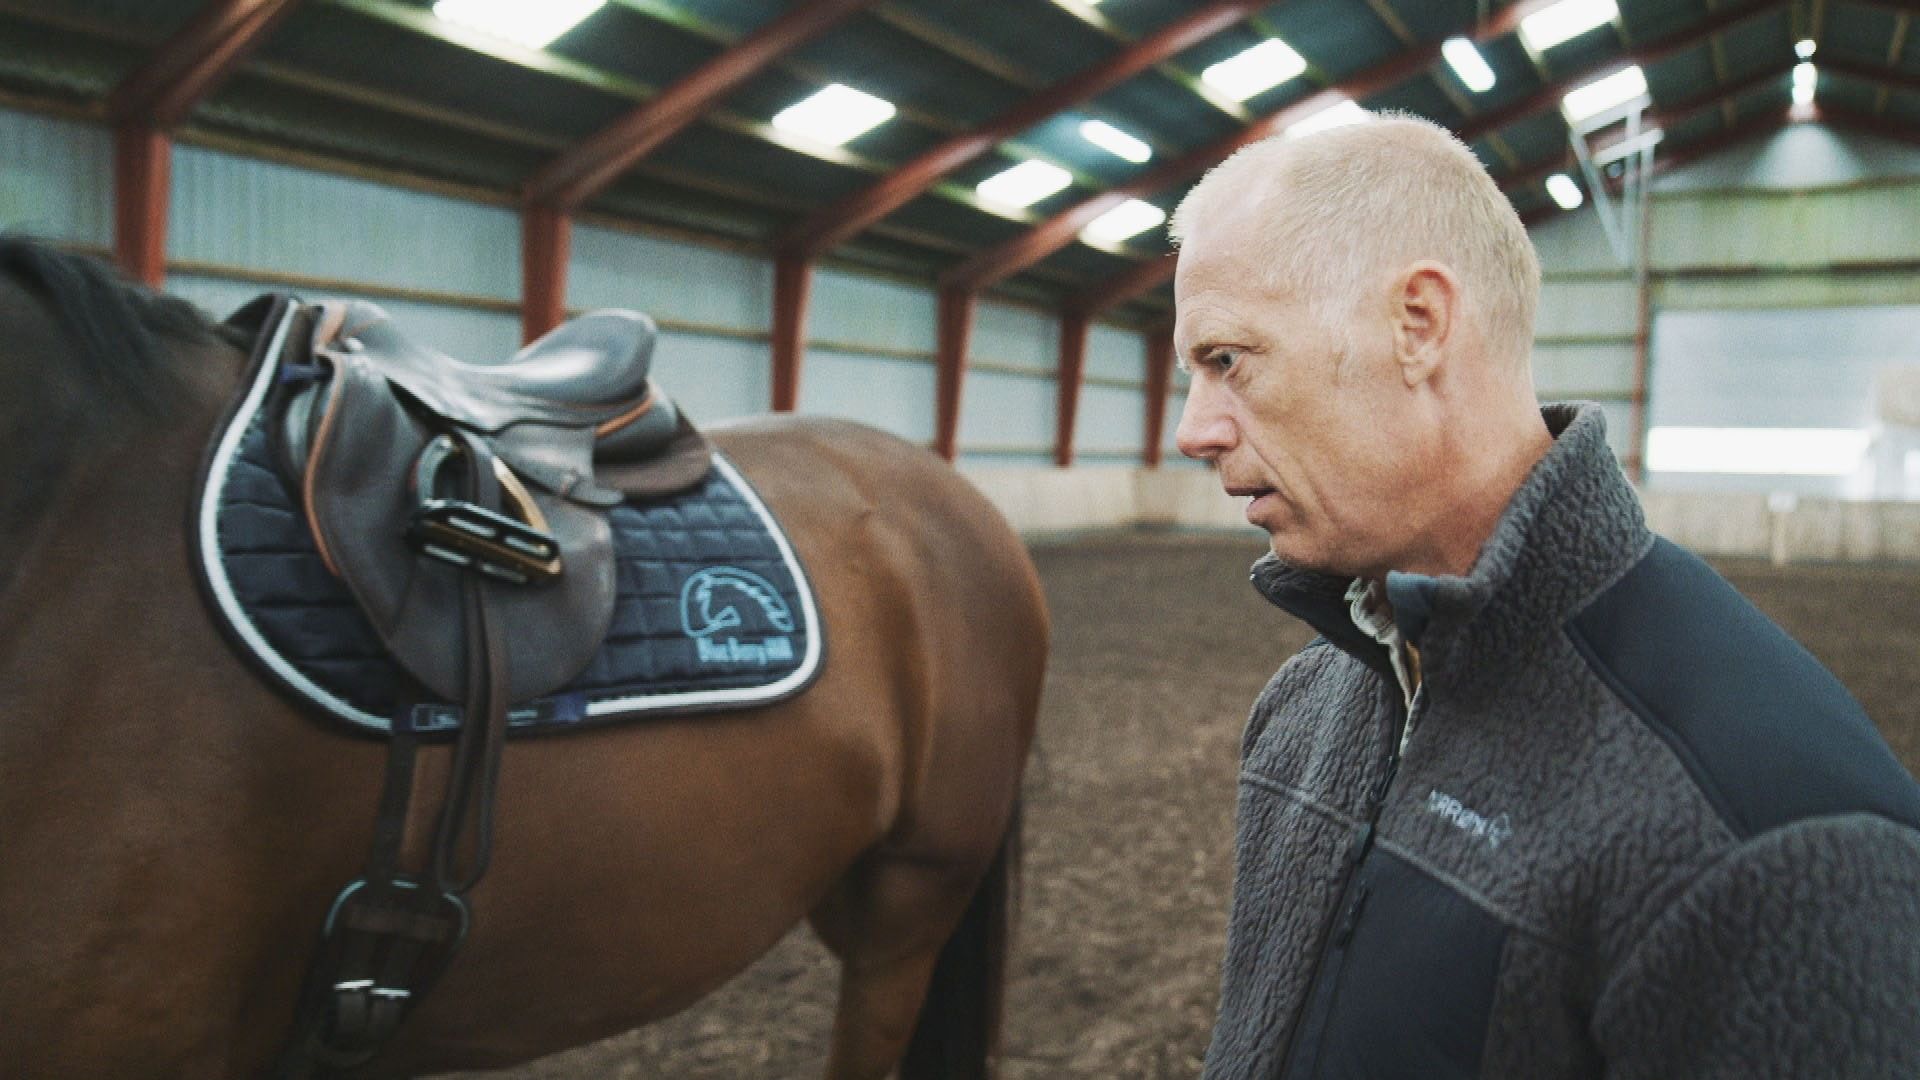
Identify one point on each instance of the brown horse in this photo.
(171, 831)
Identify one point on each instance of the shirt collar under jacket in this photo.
(1367, 606)
(1573, 527)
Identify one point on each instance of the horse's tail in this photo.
(957, 1034)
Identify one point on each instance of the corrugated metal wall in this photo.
(1806, 225)
(450, 269)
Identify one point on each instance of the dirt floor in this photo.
(1159, 648)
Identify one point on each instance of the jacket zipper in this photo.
(1344, 918)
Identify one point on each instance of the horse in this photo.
(172, 830)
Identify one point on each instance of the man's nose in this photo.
(1206, 430)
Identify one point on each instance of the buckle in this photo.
(521, 551)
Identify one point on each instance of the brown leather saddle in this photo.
(466, 507)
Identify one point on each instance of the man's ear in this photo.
(1424, 310)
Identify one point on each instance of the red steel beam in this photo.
(1889, 77)
(1073, 370)
(1057, 232)
(191, 64)
(551, 195)
(546, 238)
(1159, 382)
(586, 169)
(955, 329)
(153, 100)
(792, 283)
(840, 221)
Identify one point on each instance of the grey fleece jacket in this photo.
(1637, 830)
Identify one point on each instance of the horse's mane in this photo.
(119, 329)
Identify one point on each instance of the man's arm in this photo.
(1796, 955)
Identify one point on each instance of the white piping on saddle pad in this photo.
(210, 551)
(236, 615)
(747, 695)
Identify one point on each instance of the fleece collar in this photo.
(1573, 527)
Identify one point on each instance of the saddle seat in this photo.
(380, 437)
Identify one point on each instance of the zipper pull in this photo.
(1352, 919)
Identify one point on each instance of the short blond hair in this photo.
(1353, 203)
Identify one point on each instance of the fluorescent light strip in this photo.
(1130, 218)
(1256, 70)
(1024, 184)
(1602, 94)
(1564, 191)
(532, 25)
(1757, 451)
(1466, 62)
(1565, 21)
(1333, 116)
(834, 114)
(1115, 142)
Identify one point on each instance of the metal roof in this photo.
(385, 83)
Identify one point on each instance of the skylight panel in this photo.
(1564, 191)
(1602, 94)
(1758, 451)
(834, 114)
(1255, 71)
(1115, 142)
(1024, 184)
(1564, 21)
(1466, 62)
(1130, 218)
(534, 25)
(1333, 116)
(1805, 78)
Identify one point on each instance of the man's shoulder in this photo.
(1769, 735)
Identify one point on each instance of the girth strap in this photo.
(390, 936)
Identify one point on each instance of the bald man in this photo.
(1547, 798)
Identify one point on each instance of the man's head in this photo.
(1356, 309)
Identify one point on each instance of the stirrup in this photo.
(522, 551)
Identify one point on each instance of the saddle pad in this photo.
(713, 609)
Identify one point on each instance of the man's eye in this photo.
(1221, 361)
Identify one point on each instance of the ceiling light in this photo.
(834, 114)
(1602, 94)
(1804, 48)
(1256, 70)
(1805, 78)
(1024, 184)
(1564, 191)
(1114, 141)
(1332, 116)
(1564, 21)
(1467, 63)
(1130, 218)
(532, 25)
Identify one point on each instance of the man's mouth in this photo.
(1245, 491)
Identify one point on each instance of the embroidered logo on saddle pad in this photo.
(712, 602)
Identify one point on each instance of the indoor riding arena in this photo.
(991, 732)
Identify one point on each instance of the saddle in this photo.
(378, 444)
(466, 508)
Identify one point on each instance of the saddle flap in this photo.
(359, 499)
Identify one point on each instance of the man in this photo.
(1547, 798)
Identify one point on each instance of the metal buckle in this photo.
(473, 537)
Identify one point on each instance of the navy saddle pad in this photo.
(713, 610)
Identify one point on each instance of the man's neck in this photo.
(1472, 500)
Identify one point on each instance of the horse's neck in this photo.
(88, 480)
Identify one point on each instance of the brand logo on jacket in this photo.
(1494, 830)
